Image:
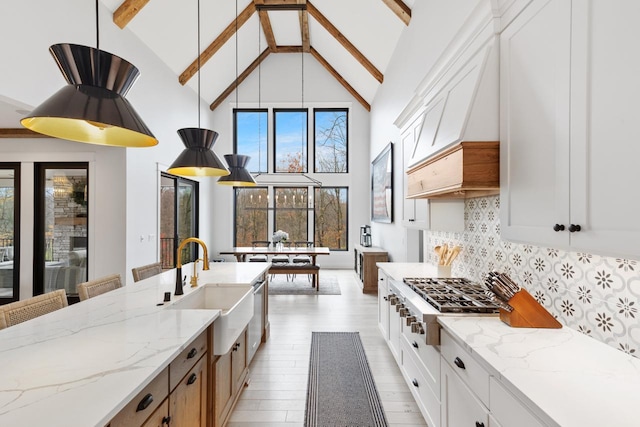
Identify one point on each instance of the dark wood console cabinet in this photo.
(365, 259)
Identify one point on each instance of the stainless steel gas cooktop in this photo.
(452, 295)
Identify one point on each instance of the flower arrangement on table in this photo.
(280, 236)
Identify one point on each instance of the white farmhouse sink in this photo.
(236, 304)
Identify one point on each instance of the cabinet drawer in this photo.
(144, 404)
(428, 356)
(462, 363)
(187, 359)
(508, 410)
(427, 400)
(460, 406)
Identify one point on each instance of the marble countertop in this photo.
(568, 377)
(400, 270)
(79, 366)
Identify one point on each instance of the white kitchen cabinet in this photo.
(395, 329)
(568, 126)
(383, 304)
(460, 407)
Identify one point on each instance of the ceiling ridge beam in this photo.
(339, 78)
(265, 24)
(344, 42)
(288, 49)
(127, 11)
(21, 133)
(400, 9)
(224, 36)
(238, 81)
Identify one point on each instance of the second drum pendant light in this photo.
(198, 158)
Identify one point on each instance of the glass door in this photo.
(9, 232)
(61, 227)
(178, 218)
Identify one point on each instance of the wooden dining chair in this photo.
(146, 271)
(302, 259)
(282, 259)
(259, 257)
(100, 286)
(21, 311)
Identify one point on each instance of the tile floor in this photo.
(276, 394)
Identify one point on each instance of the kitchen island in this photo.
(81, 365)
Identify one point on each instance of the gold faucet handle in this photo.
(194, 277)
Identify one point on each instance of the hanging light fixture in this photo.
(92, 107)
(239, 176)
(198, 158)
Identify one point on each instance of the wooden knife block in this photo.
(528, 313)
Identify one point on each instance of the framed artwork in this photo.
(382, 186)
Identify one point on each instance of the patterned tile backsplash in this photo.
(598, 296)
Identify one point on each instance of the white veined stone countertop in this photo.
(567, 378)
(81, 365)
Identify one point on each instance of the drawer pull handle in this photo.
(415, 383)
(145, 402)
(415, 344)
(574, 228)
(558, 227)
(479, 424)
(192, 379)
(166, 420)
(192, 353)
(459, 363)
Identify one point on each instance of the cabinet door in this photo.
(605, 65)
(415, 212)
(188, 402)
(460, 407)
(395, 328)
(222, 386)
(534, 124)
(383, 304)
(159, 418)
(238, 362)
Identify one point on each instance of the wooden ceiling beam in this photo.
(240, 79)
(400, 9)
(344, 42)
(288, 49)
(340, 79)
(21, 133)
(265, 23)
(127, 11)
(304, 28)
(217, 43)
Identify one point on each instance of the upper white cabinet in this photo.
(415, 212)
(569, 110)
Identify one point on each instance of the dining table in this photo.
(241, 252)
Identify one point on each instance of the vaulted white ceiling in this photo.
(353, 39)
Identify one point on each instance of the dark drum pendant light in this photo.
(240, 176)
(92, 107)
(198, 158)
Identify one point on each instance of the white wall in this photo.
(433, 26)
(281, 87)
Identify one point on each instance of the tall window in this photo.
(178, 218)
(9, 232)
(291, 214)
(251, 215)
(290, 141)
(251, 138)
(330, 217)
(61, 237)
(330, 134)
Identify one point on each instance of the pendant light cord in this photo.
(259, 98)
(236, 54)
(98, 43)
(198, 26)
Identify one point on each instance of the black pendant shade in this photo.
(198, 159)
(239, 176)
(92, 107)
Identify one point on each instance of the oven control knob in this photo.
(417, 328)
(399, 306)
(393, 299)
(411, 319)
(404, 312)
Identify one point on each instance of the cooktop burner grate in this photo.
(452, 295)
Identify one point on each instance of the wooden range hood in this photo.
(467, 169)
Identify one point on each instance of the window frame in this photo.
(346, 188)
(235, 112)
(16, 167)
(315, 127)
(274, 113)
(235, 211)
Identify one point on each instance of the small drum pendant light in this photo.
(240, 176)
(92, 107)
(198, 158)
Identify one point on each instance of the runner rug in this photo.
(341, 390)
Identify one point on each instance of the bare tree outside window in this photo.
(330, 140)
(331, 217)
(251, 216)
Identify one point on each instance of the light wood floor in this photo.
(276, 395)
